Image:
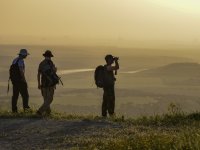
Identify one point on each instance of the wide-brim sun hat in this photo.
(23, 52)
(48, 53)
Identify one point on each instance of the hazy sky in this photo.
(101, 22)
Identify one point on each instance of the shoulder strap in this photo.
(17, 61)
(50, 63)
(8, 89)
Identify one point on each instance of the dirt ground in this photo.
(39, 133)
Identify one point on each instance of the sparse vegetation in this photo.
(175, 130)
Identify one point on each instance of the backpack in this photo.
(99, 76)
(14, 73)
(102, 77)
(51, 78)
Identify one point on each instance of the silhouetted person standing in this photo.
(17, 76)
(109, 87)
(46, 82)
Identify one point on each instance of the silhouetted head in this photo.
(109, 59)
(48, 54)
(23, 53)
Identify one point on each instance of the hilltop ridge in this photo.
(59, 131)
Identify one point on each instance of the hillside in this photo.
(174, 70)
(60, 131)
(175, 74)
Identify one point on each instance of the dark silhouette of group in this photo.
(47, 80)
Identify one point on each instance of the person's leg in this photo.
(104, 104)
(44, 95)
(111, 103)
(15, 98)
(25, 96)
(48, 110)
(50, 100)
(47, 94)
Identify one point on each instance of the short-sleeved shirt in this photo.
(20, 62)
(43, 67)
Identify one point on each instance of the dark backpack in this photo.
(14, 72)
(51, 78)
(99, 76)
(103, 78)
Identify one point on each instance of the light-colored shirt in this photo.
(20, 62)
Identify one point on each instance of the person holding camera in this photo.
(108, 104)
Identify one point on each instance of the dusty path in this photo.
(19, 133)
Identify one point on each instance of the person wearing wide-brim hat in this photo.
(44, 84)
(19, 82)
(48, 53)
(23, 52)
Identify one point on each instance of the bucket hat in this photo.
(48, 53)
(23, 52)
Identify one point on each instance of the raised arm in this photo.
(114, 68)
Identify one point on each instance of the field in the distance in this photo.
(164, 77)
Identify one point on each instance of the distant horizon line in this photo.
(100, 46)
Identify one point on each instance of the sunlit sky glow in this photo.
(100, 22)
(187, 6)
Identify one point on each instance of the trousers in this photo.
(108, 104)
(22, 89)
(47, 93)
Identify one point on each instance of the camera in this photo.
(115, 58)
